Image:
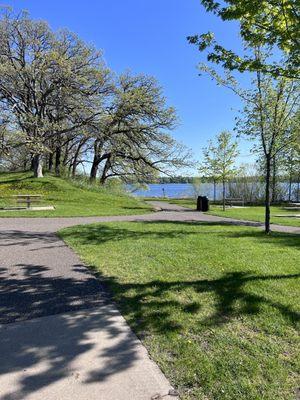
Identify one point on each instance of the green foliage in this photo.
(272, 23)
(215, 305)
(219, 158)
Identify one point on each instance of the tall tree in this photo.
(51, 83)
(132, 138)
(219, 159)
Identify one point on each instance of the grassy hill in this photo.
(69, 198)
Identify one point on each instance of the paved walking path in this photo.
(60, 335)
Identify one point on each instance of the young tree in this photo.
(269, 115)
(219, 159)
(268, 118)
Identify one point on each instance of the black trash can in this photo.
(202, 203)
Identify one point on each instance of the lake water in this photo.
(175, 190)
(182, 190)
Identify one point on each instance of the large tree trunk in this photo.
(32, 163)
(57, 160)
(94, 168)
(37, 166)
(74, 166)
(105, 170)
(96, 160)
(267, 198)
(50, 162)
(224, 194)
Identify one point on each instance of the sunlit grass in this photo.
(249, 213)
(215, 305)
(69, 199)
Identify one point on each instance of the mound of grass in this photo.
(216, 305)
(69, 198)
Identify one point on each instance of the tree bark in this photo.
(96, 160)
(32, 163)
(50, 162)
(274, 182)
(57, 160)
(267, 195)
(215, 191)
(94, 167)
(105, 170)
(37, 166)
(290, 186)
(75, 160)
(224, 194)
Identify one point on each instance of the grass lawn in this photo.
(248, 213)
(215, 305)
(69, 199)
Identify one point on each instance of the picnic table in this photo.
(28, 199)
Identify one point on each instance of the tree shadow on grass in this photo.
(102, 233)
(151, 299)
(150, 309)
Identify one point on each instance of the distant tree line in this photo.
(63, 110)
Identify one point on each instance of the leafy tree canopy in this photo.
(274, 23)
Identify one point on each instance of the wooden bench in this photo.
(28, 199)
(230, 201)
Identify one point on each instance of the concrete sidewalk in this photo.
(60, 336)
(88, 354)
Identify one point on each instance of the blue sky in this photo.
(149, 36)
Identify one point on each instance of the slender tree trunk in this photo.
(75, 160)
(274, 182)
(57, 160)
(215, 191)
(290, 186)
(267, 195)
(37, 166)
(224, 194)
(298, 189)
